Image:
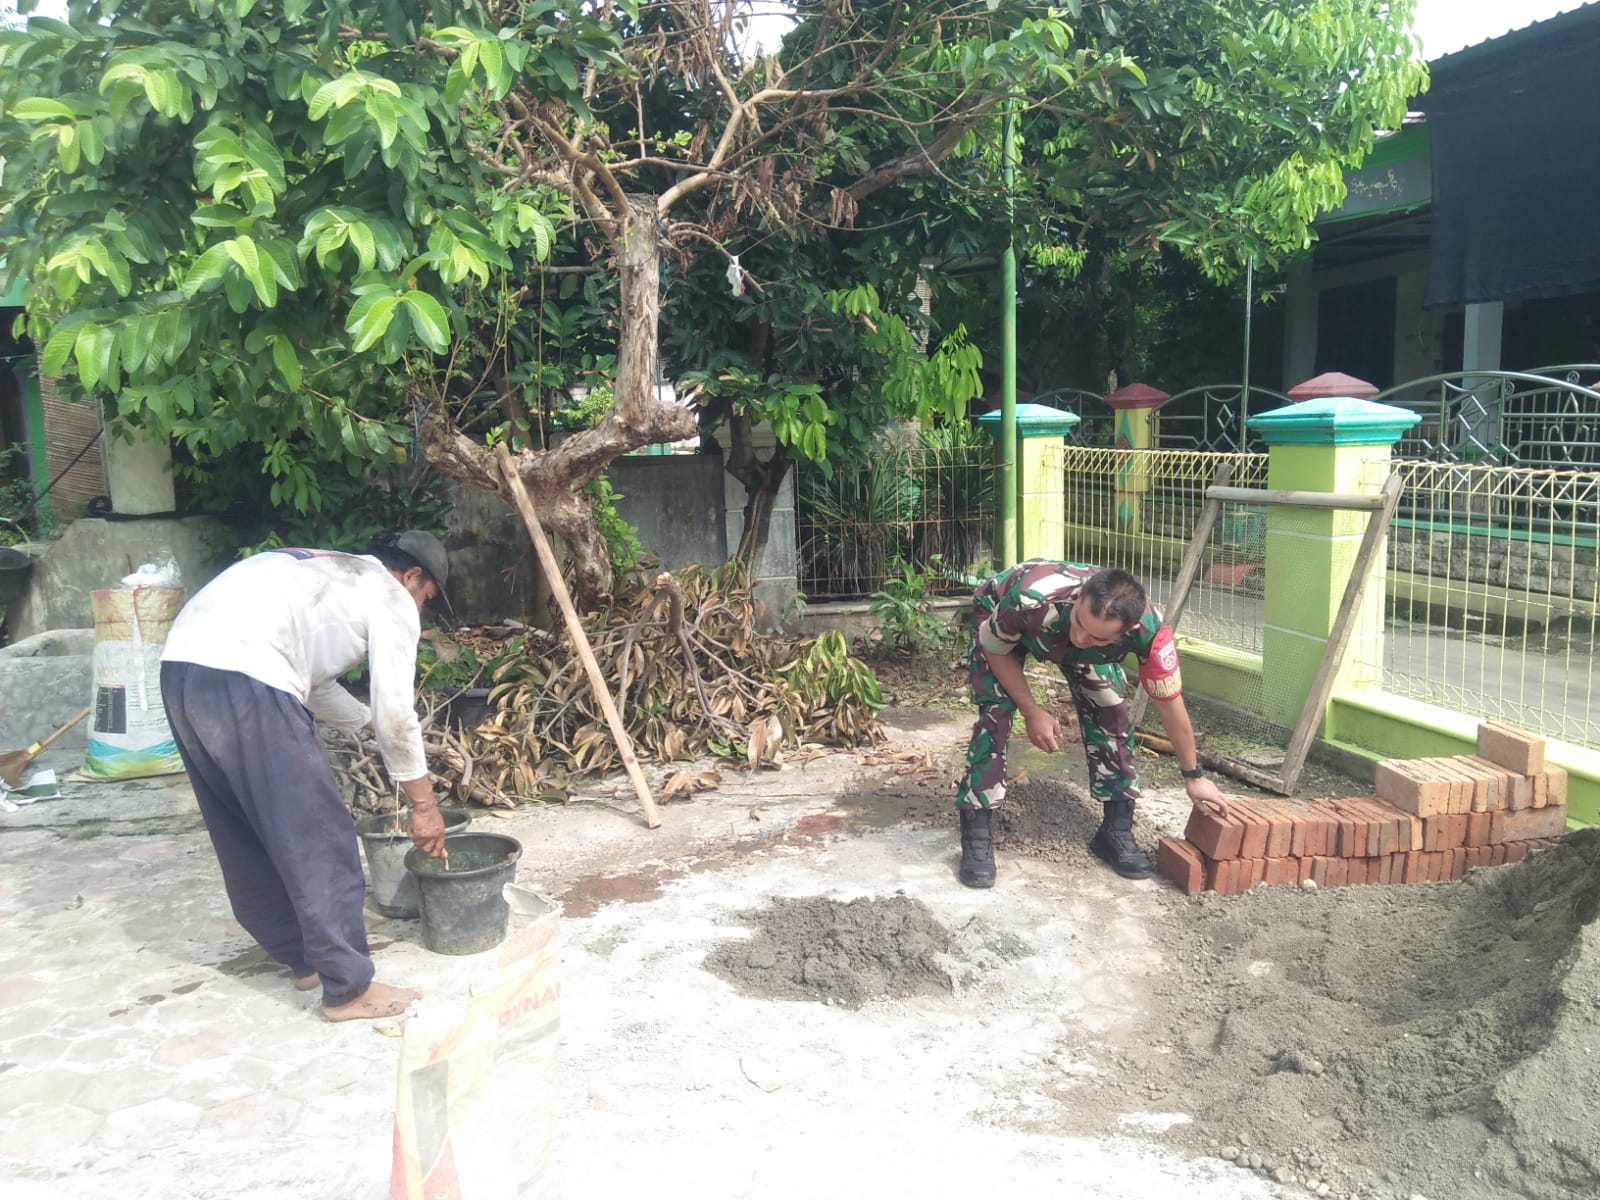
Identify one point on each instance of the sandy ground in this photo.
(784, 992)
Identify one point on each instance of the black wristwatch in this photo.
(1197, 773)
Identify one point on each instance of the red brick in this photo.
(1555, 786)
(1521, 792)
(1216, 837)
(1541, 789)
(1478, 825)
(1410, 834)
(1280, 828)
(1282, 870)
(1519, 752)
(1307, 863)
(1477, 856)
(1547, 822)
(1254, 841)
(1304, 830)
(1502, 781)
(1497, 856)
(1258, 872)
(1319, 870)
(1412, 871)
(1338, 872)
(1517, 851)
(1182, 864)
(1383, 824)
(1464, 785)
(1458, 862)
(1441, 866)
(1320, 834)
(1410, 788)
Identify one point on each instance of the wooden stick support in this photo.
(580, 640)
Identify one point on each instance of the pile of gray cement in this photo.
(848, 953)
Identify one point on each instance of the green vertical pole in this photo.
(27, 372)
(1010, 479)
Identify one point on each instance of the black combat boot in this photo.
(1114, 842)
(977, 848)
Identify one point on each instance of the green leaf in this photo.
(287, 362)
(39, 108)
(381, 109)
(429, 320)
(53, 362)
(562, 66)
(207, 270)
(370, 318)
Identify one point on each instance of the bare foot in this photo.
(379, 1000)
(304, 983)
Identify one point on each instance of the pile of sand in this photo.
(1441, 1039)
(825, 950)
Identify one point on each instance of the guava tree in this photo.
(245, 223)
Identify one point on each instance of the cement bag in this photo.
(128, 733)
(477, 1099)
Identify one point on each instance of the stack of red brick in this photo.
(1431, 819)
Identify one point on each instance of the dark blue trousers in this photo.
(284, 839)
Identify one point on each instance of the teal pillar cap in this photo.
(1034, 420)
(1334, 421)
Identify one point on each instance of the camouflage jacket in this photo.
(1027, 608)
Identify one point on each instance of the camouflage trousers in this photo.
(1097, 694)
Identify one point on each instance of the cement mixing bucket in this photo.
(463, 908)
(385, 839)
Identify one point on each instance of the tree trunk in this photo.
(762, 482)
(638, 417)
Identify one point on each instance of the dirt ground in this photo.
(1440, 1040)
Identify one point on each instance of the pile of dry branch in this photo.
(693, 678)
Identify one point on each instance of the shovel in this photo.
(14, 762)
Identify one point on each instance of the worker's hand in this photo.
(427, 829)
(1044, 731)
(1204, 794)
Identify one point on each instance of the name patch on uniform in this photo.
(1159, 672)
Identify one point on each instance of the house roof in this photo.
(1481, 55)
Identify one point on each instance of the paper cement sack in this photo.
(477, 1099)
(128, 732)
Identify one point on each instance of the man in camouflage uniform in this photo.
(1086, 621)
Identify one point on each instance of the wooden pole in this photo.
(558, 588)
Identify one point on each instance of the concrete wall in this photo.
(95, 553)
(675, 502)
(493, 572)
(44, 681)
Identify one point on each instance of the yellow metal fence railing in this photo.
(1136, 509)
(1493, 594)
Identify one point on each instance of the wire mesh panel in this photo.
(1136, 509)
(1493, 595)
(925, 500)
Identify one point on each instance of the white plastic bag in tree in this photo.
(128, 732)
(477, 1099)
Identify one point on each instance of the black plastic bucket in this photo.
(14, 569)
(386, 840)
(463, 910)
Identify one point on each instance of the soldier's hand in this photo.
(1044, 731)
(1204, 794)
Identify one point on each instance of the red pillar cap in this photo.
(1331, 384)
(1137, 395)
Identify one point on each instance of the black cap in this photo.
(428, 552)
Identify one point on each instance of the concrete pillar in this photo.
(1339, 444)
(139, 474)
(1300, 322)
(1480, 336)
(1041, 478)
(1135, 429)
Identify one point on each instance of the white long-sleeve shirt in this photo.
(296, 620)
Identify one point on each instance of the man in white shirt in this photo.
(250, 664)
